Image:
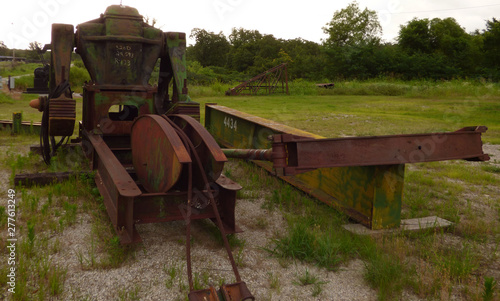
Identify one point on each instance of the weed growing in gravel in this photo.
(172, 273)
(129, 294)
(274, 281)
(307, 278)
(489, 288)
(239, 258)
(213, 230)
(384, 272)
(45, 211)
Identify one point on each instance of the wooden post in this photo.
(17, 119)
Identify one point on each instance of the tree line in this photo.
(424, 49)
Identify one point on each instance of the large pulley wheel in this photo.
(159, 155)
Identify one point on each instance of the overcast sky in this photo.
(24, 21)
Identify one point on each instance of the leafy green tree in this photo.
(210, 49)
(307, 60)
(352, 26)
(353, 38)
(3, 48)
(450, 50)
(244, 48)
(491, 44)
(241, 36)
(35, 50)
(415, 36)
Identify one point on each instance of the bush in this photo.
(77, 77)
(24, 82)
(5, 99)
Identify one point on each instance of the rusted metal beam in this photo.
(301, 154)
(249, 154)
(117, 188)
(371, 191)
(47, 178)
(293, 154)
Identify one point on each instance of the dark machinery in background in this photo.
(42, 76)
(154, 162)
(41, 81)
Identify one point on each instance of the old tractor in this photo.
(154, 162)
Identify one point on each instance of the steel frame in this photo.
(128, 204)
(268, 81)
(367, 183)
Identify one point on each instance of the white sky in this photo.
(24, 21)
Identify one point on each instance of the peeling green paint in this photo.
(370, 194)
(101, 99)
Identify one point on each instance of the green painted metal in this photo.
(118, 48)
(176, 47)
(371, 195)
(174, 62)
(17, 119)
(61, 108)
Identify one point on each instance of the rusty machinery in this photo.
(268, 82)
(153, 160)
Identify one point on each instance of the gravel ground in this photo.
(163, 248)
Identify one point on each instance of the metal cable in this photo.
(186, 139)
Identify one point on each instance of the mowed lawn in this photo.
(339, 115)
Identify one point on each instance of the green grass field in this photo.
(351, 115)
(435, 265)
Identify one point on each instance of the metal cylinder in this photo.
(249, 154)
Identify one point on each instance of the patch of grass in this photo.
(233, 239)
(384, 272)
(3, 217)
(129, 294)
(274, 281)
(56, 277)
(172, 272)
(458, 263)
(18, 68)
(308, 242)
(489, 288)
(240, 257)
(4, 98)
(491, 168)
(24, 82)
(307, 278)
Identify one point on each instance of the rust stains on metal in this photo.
(249, 154)
(267, 82)
(158, 153)
(305, 154)
(361, 176)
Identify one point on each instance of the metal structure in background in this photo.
(361, 176)
(274, 80)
